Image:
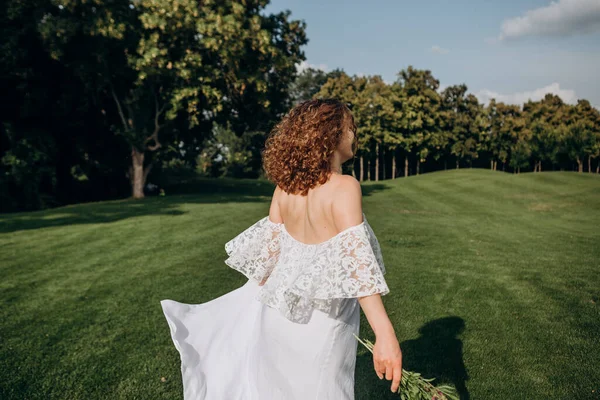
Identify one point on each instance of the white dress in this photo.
(291, 338)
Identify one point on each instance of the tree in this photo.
(590, 128)
(545, 118)
(520, 150)
(421, 111)
(48, 122)
(159, 60)
(581, 139)
(376, 115)
(464, 123)
(502, 119)
(309, 83)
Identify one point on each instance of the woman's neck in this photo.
(335, 165)
(337, 169)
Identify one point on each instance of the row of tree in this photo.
(411, 121)
(101, 97)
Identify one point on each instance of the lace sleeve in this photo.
(255, 251)
(361, 269)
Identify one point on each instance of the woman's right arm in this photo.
(387, 356)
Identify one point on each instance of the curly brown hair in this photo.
(297, 153)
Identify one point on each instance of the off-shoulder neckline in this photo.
(283, 228)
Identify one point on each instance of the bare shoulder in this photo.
(347, 201)
(346, 186)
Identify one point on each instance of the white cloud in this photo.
(439, 50)
(559, 18)
(568, 96)
(304, 65)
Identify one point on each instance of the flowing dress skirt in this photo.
(234, 347)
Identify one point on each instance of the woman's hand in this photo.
(387, 358)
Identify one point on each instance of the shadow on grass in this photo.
(436, 353)
(190, 191)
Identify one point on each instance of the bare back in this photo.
(325, 211)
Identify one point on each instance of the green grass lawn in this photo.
(494, 279)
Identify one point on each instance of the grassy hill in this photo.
(494, 284)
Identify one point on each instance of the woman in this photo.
(288, 333)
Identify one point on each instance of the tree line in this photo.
(410, 126)
(101, 98)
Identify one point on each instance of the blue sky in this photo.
(511, 50)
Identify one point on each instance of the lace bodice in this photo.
(298, 277)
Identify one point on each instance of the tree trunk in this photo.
(386, 156)
(362, 168)
(418, 165)
(579, 165)
(492, 165)
(384, 162)
(589, 164)
(406, 165)
(394, 164)
(377, 162)
(457, 163)
(518, 170)
(137, 175)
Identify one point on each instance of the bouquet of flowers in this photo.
(414, 387)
